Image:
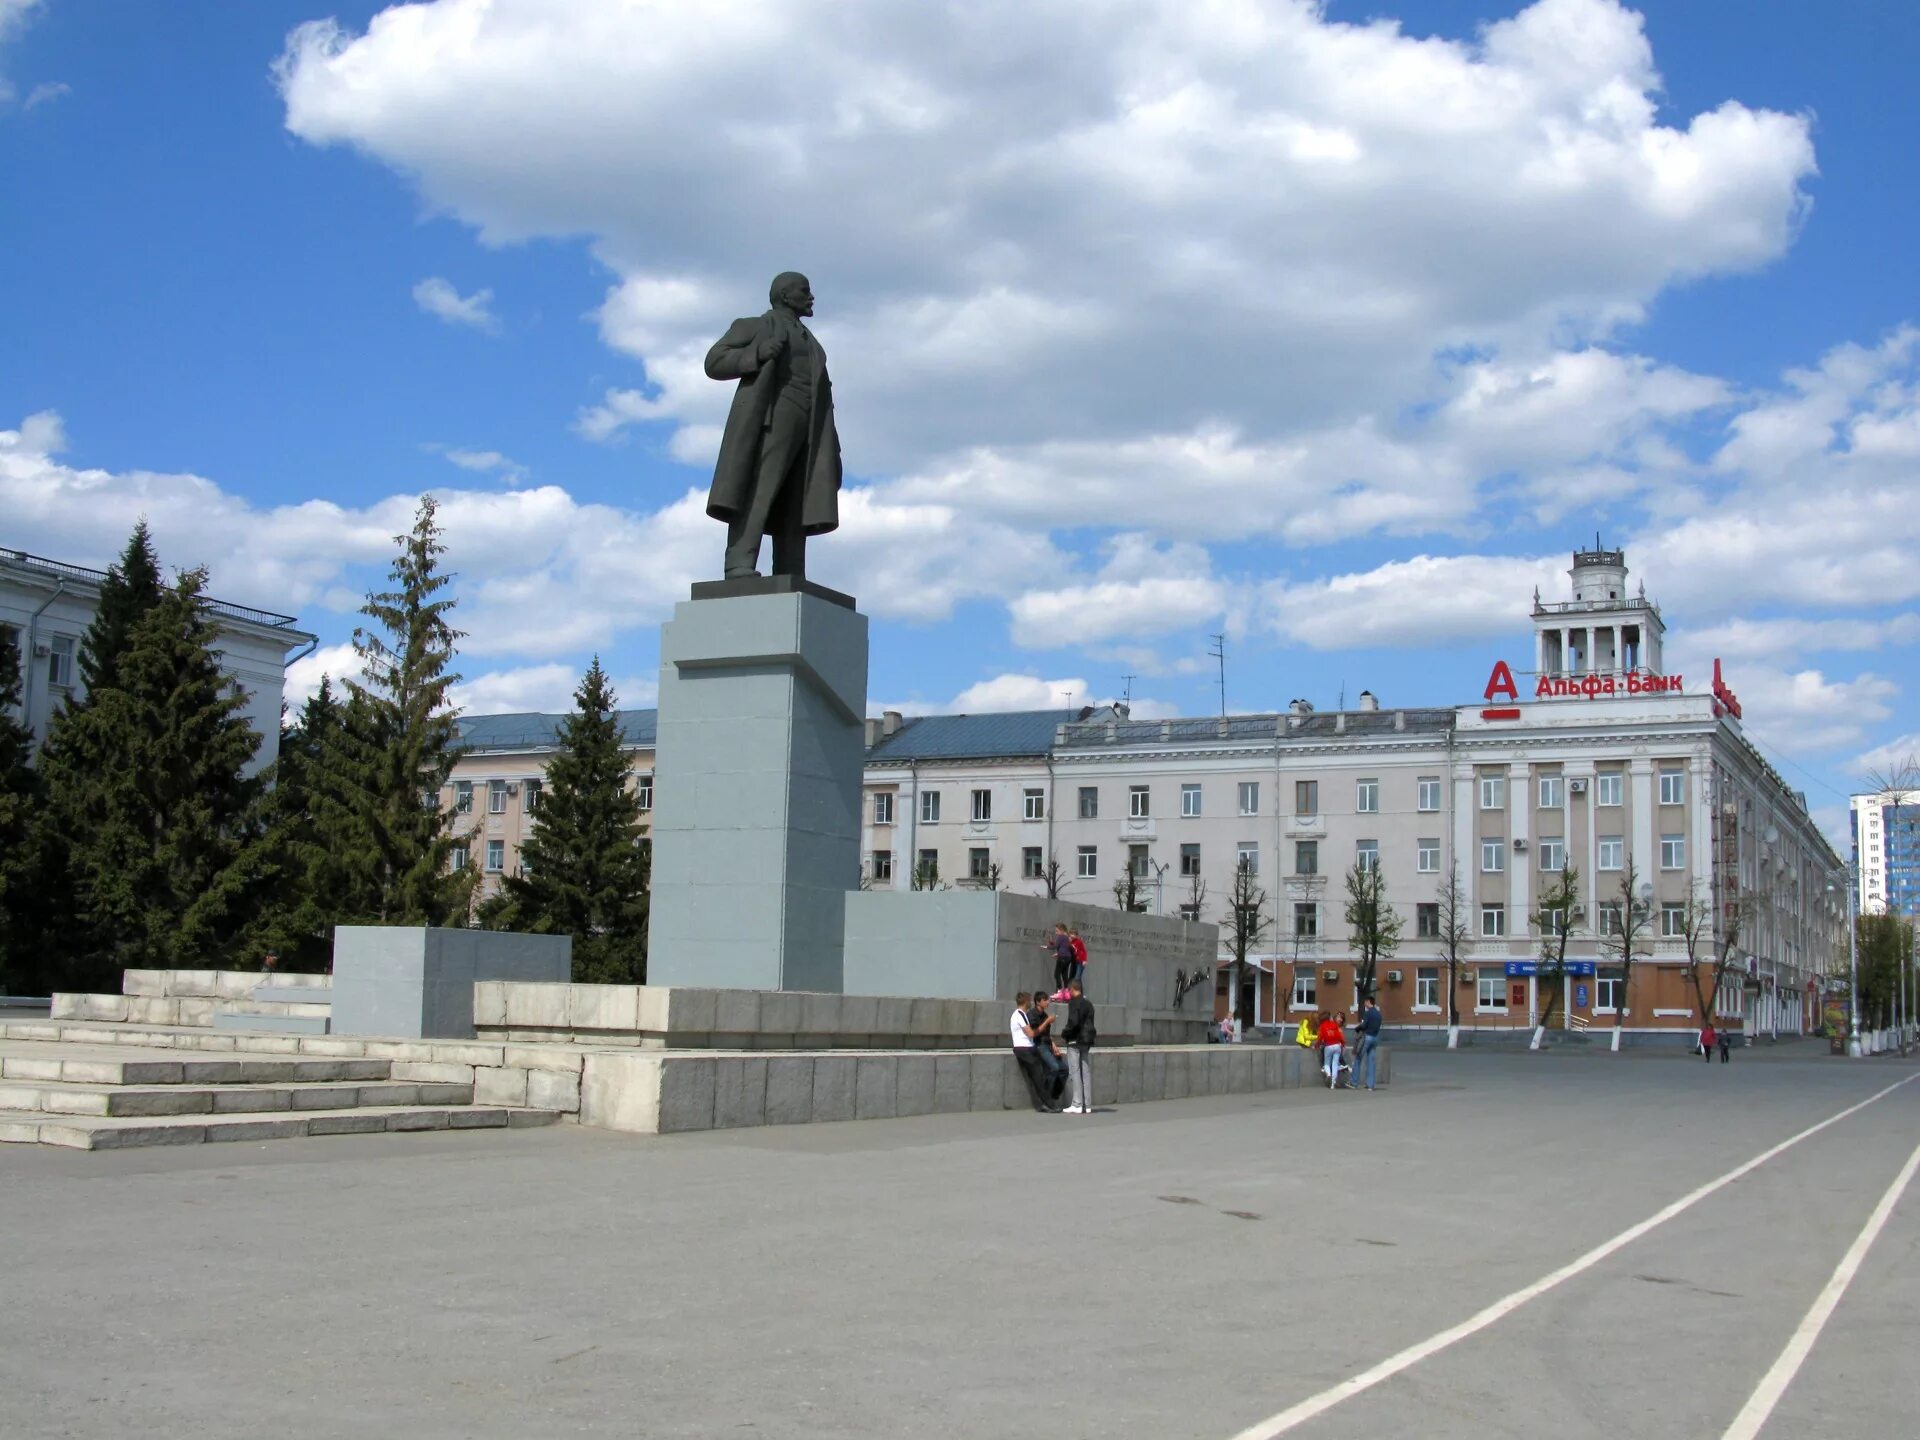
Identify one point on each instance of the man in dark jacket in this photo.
(1079, 1035)
(779, 466)
(1369, 1043)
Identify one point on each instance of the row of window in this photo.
(531, 792)
(1609, 790)
(1610, 920)
(1490, 989)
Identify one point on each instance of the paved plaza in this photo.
(1190, 1268)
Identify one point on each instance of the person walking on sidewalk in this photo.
(1079, 1033)
(1332, 1041)
(1369, 1042)
(1707, 1041)
(1725, 1040)
(1026, 1053)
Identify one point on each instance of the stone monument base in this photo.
(417, 981)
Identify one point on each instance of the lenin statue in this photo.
(779, 468)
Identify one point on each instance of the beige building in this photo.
(1594, 759)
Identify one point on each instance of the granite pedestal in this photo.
(760, 753)
(415, 981)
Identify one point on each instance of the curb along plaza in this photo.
(1611, 766)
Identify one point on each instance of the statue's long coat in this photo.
(736, 355)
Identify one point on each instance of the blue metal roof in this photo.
(1009, 734)
(531, 730)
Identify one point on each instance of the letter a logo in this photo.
(1501, 682)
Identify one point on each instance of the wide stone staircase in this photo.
(115, 1096)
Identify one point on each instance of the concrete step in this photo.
(292, 995)
(58, 1065)
(240, 1017)
(103, 1132)
(56, 1098)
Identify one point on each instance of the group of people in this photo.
(1069, 957)
(1326, 1035)
(1053, 1057)
(1712, 1039)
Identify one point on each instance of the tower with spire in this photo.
(1603, 630)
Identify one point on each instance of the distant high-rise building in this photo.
(1886, 851)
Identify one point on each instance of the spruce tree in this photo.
(21, 879)
(156, 829)
(131, 589)
(305, 866)
(584, 869)
(398, 743)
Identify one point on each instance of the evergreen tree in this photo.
(155, 810)
(305, 866)
(131, 589)
(584, 869)
(21, 888)
(397, 746)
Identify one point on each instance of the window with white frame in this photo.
(1305, 991)
(1426, 988)
(1137, 861)
(457, 859)
(1609, 989)
(1189, 861)
(1609, 853)
(1490, 990)
(1366, 854)
(1429, 792)
(1493, 855)
(1493, 921)
(1246, 856)
(1034, 804)
(1306, 918)
(1673, 852)
(929, 807)
(882, 865)
(1553, 792)
(1190, 800)
(883, 808)
(1249, 797)
(463, 797)
(1673, 921)
(1427, 856)
(1611, 919)
(927, 869)
(1089, 802)
(1089, 861)
(982, 806)
(1609, 787)
(1553, 853)
(531, 794)
(1673, 787)
(979, 862)
(1032, 867)
(1306, 797)
(60, 661)
(1493, 792)
(1553, 921)
(496, 797)
(1366, 797)
(1306, 857)
(643, 791)
(1426, 920)
(496, 856)
(1139, 807)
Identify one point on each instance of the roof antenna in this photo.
(1126, 690)
(1068, 694)
(1219, 652)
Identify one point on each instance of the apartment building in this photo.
(1886, 852)
(1595, 759)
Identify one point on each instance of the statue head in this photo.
(790, 288)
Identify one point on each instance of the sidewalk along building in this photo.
(1594, 758)
(47, 606)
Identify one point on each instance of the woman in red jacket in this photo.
(1332, 1041)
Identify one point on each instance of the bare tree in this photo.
(1621, 935)
(1456, 934)
(1552, 920)
(1710, 948)
(1053, 877)
(926, 876)
(1196, 900)
(1374, 925)
(990, 880)
(1246, 922)
(1126, 891)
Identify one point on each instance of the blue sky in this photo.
(1332, 329)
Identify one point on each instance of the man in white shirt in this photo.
(1026, 1052)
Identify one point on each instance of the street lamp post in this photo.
(1853, 967)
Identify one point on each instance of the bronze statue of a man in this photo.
(779, 466)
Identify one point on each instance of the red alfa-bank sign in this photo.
(1501, 687)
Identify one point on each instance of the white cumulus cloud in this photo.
(438, 298)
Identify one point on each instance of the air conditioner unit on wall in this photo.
(1394, 977)
(1330, 974)
(1576, 787)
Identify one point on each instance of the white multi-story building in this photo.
(46, 607)
(1886, 852)
(1595, 760)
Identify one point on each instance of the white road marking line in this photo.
(1774, 1383)
(1297, 1415)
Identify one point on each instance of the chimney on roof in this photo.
(1399, 719)
(873, 731)
(1369, 701)
(1300, 707)
(890, 722)
(1340, 723)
